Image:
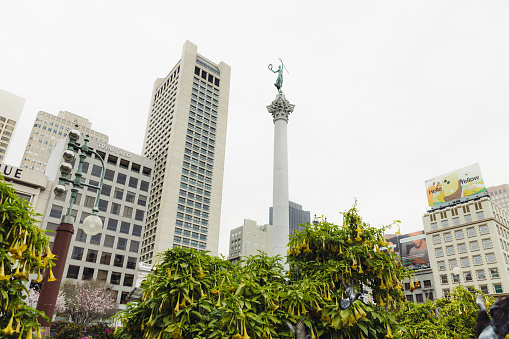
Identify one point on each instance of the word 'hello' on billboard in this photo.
(464, 182)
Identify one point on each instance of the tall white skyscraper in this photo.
(47, 130)
(186, 137)
(11, 107)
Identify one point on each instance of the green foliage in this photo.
(100, 331)
(193, 295)
(451, 317)
(67, 330)
(24, 248)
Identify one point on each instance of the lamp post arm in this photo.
(95, 209)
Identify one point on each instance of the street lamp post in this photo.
(91, 225)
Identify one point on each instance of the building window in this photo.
(115, 209)
(418, 298)
(468, 276)
(434, 226)
(56, 211)
(445, 223)
(144, 185)
(453, 263)
(477, 260)
(106, 190)
(436, 239)
(119, 193)
(468, 218)
(125, 227)
(471, 232)
(72, 272)
(480, 215)
(112, 225)
(494, 273)
(128, 280)
(456, 221)
(139, 215)
(439, 252)
(77, 253)
(443, 279)
(96, 171)
(131, 263)
(136, 230)
(487, 243)
(88, 273)
(122, 244)
(106, 258)
(108, 241)
(450, 250)
(134, 246)
(498, 288)
(115, 278)
(465, 262)
(474, 246)
(484, 229)
(81, 236)
(455, 278)
(102, 275)
(121, 178)
(459, 234)
(462, 248)
(133, 182)
(142, 200)
(130, 196)
(427, 283)
(103, 205)
(119, 260)
(89, 202)
(490, 258)
(447, 237)
(96, 239)
(92, 256)
(480, 275)
(441, 266)
(128, 212)
(484, 289)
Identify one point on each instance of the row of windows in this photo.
(462, 248)
(460, 234)
(127, 212)
(465, 262)
(468, 277)
(456, 220)
(188, 233)
(109, 241)
(178, 239)
(105, 259)
(102, 275)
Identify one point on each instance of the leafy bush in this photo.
(67, 330)
(100, 331)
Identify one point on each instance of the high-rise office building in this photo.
(186, 137)
(11, 107)
(47, 130)
(500, 194)
(297, 217)
(113, 254)
(249, 239)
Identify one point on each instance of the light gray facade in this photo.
(113, 254)
(249, 239)
(48, 129)
(11, 107)
(297, 216)
(186, 137)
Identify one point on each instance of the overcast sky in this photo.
(387, 94)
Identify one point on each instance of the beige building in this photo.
(186, 137)
(30, 186)
(11, 107)
(113, 254)
(249, 239)
(473, 236)
(500, 195)
(47, 130)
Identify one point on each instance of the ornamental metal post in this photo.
(91, 225)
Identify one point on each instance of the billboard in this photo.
(411, 248)
(452, 186)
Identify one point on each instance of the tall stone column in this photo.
(280, 110)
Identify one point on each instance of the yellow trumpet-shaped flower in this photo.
(51, 276)
(29, 333)
(2, 273)
(39, 334)
(18, 274)
(379, 276)
(360, 269)
(399, 230)
(218, 301)
(39, 276)
(307, 249)
(382, 286)
(49, 255)
(412, 286)
(237, 336)
(8, 330)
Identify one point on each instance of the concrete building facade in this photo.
(186, 138)
(46, 132)
(297, 216)
(473, 236)
(11, 107)
(500, 195)
(113, 254)
(248, 239)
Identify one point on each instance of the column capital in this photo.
(280, 108)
